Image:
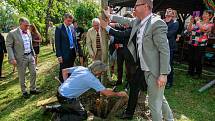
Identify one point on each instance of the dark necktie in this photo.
(98, 44)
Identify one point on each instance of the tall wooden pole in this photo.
(104, 5)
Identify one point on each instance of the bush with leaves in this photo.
(85, 12)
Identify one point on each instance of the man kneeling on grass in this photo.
(81, 80)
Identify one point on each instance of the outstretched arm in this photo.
(110, 93)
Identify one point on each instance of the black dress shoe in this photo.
(25, 95)
(35, 92)
(126, 116)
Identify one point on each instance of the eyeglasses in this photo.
(138, 5)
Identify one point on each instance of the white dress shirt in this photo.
(140, 43)
(26, 40)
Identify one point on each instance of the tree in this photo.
(8, 16)
(40, 12)
(85, 12)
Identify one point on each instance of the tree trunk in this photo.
(104, 5)
(47, 20)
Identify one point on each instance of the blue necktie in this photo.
(70, 37)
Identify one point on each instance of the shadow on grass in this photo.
(15, 102)
(8, 82)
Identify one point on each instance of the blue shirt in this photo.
(80, 81)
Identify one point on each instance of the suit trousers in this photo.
(67, 63)
(157, 101)
(120, 63)
(170, 76)
(136, 84)
(1, 63)
(27, 61)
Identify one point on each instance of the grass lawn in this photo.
(186, 103)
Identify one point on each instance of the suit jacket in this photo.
(62, 42)
(2, 45)
(15, 45)
(124, 38)
(172, 33)
(91, 43)
(156, 51)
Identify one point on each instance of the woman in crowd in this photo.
(198, 41)
(36, 39)
(213, 29)
(2, 52)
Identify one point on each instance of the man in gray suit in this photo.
(21, 54)
(149, 47)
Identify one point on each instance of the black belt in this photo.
(27, 53)
(66, 100)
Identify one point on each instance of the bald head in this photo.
(143, 8)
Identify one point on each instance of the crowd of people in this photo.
(144, 41)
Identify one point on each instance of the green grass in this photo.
(186, 103)
(12, 106)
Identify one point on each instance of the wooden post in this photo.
(47, 19)
(104, 5)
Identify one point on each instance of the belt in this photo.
(66, 100)
(118, 46)
(27, 53)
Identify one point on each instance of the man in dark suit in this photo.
(2, 53)
(66, 44)
(134, 78)
(171, 35)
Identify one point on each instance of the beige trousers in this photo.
(27, 61)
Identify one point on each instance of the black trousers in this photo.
(67, 63)
(120, 63)
(170, 76)
(196, 57)
(136, 84)
(129, 67)
(72, 106)
(1, 62)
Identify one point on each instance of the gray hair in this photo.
(96, 20)
(68, 15)
(98, 66)
(23, 19)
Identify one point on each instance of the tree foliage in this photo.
(8, 17)
(40, 12)
(85, 12)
